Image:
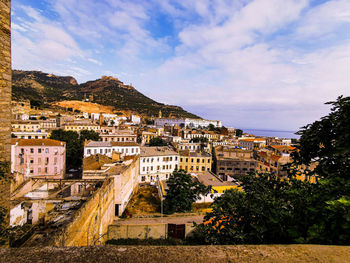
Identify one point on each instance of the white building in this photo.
(107, 148)
(30, 135)
(157, 163)
(192, 123)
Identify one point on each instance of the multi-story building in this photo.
(78, 127)
(252, 144)
(157, 163)
(148, 136)
(30, 135)
(187, 122)
(197, 162)
(233, 162)
(118, 136)
(38, 157)
(26, 126)
(107, 148)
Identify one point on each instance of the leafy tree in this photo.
(239, 132)
(74, 147)
(157, 141)
(286, 210)
(89, 135)
(269, 210)
(182, 192)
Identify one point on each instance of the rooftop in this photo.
(37, 142)
(157, 151)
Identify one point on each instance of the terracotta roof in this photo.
(277, 147)
(37, 142)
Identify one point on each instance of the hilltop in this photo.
(43, 88)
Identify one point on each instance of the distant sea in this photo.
(272, 133)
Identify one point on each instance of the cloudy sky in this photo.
(267, 64)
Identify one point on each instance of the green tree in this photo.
(239, 132)
(270, 209)
(74, 145)
(157, 141)
(183, 191)
(74, 148)
(89, 135)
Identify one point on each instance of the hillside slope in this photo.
(45, 88)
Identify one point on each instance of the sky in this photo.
(264, 64)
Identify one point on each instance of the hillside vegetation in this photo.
(42, 88)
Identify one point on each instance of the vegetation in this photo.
(182, 192)
(157, 141)
(239, 132)
(74, 145)
(199, 139)
(288, 210)
(41, 89)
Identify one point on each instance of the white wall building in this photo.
(157, 163)
(107, 148)
(192, 123)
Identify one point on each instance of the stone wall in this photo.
(5, 80)
(89, 224)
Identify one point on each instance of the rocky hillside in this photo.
(42, 88)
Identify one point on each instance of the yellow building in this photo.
(148, 136)
(197, 162)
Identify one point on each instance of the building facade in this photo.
(38, 157)
(157, 163)
(195, 162)
(107, 148)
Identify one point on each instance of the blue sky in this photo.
(267, 64)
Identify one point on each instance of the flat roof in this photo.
(157, 151)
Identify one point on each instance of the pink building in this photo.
(38, 157)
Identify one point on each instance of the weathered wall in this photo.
(5, 80)
(138, 231)
(145, 231)
(90, 222)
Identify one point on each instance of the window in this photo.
(203, 168)
(55, 160)
(39, 160)
(31, 150)
(46, 160)
(31, 171)
(180, 159)
(47, 150)
(39, 170)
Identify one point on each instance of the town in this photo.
(83, 178)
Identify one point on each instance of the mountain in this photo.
(42, 89)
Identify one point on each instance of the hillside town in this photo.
(67, 199)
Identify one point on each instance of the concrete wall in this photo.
(89, 224)
(138, 231)
(5, 80)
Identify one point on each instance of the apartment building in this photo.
(118, 136)
(157, 163)
(38, 157)
(233, 162)
(107, 148)
(195, 162)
